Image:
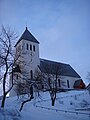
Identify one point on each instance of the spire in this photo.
(27, 36)
(26, 28)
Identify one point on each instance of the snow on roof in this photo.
(88, 87)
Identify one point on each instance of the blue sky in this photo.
(61, 26)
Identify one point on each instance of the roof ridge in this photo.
(54, 61)
(27, 35)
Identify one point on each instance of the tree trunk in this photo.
(3, 101)
(53, 97)
(24, 103)
(4, 95)
(4, 92)
(53, 102)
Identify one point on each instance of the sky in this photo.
(61, 26)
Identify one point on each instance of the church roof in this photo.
(52, 67)
(88, 87)
(27, 36)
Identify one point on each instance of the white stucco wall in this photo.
(63, 81)
(16, 80)
(25, 60)
(70, 79)
(29, 62)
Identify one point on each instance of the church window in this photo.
(33, 47)
(31, 74)
(68, 84)
(59, 84)
(30, 47)
(27, 46)
(42, 86)
(49, 81)
(17, 77)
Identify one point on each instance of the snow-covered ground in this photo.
(72, 105)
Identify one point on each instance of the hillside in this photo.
(72, 105)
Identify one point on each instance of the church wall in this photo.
(71, 81)
(66, 82)
(29, 59)
(16, 79)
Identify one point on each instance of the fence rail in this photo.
(65, 111)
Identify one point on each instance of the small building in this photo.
(79, 84)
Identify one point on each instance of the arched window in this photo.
(49, 81)
(33, 47)
(59, 83)
(68, 84)
(30, 47)
(31, 74)
(17, 76)
(27, 46)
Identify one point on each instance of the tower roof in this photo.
(27, 36)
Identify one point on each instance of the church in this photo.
(28, 61)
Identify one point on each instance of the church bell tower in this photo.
(27, 48)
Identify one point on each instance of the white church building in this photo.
(27, 48)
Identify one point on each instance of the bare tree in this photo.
(7, 60)
(20, 89)
(27, 89)
(30, 86)
(52, 73)
(39, 80)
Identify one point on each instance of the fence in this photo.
(65, 111)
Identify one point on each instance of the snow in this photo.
(71, 105)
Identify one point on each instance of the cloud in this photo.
(61, 26)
